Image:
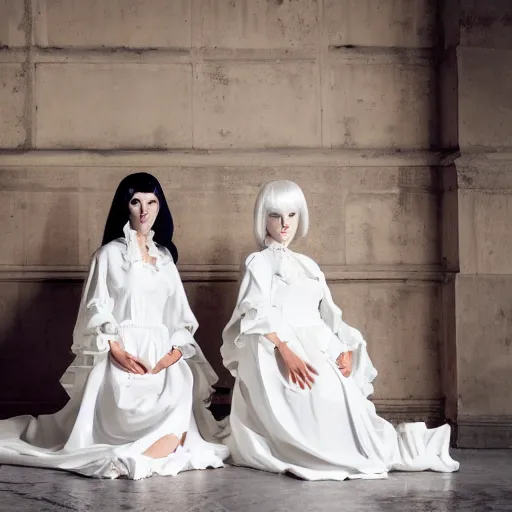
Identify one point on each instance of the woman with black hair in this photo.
(141, 410)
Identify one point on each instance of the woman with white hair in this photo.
(302, 374)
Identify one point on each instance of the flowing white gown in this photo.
(113, 416)
(331, 431)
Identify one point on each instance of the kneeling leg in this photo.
(165, 446)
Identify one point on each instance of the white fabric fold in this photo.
(257, 313)
(113, 416)
(330, 431)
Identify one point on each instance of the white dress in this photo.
(331, 431)
(113, 416)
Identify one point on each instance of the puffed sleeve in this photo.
(178, 316)
(95, 324)
(254, 309)
(254, 315)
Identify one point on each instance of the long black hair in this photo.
(119, 213)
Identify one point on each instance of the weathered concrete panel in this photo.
(484, 344)
(374, 105)
(485, 232)
(392, 228)
(258, 24)
(113, 106)
(252, 80)
(401, 323)
(448, 99)
(214, 205)
(10, 211)
(256, 105)
(486, 24)
(115, 23)
(41, 204)
(49, 225)
(13, 96)
(213, 210)
(485, 98)
(13, 23)
(449, 218)
(393, 23)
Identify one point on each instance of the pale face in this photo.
(282, 226)
(143, 211)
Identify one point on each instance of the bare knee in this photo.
(165, 446)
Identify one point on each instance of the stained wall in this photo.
(215, 98)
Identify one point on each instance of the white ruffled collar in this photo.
(288, 266)
(274, 245)
(133, 252)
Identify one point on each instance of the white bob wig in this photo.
(279, 197)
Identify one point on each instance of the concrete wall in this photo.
(483, 289)
(216, 97)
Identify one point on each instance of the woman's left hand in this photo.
(168, 360)
(344, 363)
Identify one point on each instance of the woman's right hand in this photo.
(126, 361)
(300, 372)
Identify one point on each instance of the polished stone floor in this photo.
(483, 484)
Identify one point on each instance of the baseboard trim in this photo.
(484, 432)
(396, 411)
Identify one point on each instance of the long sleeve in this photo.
(178, 317)
(254, 299)
(255, 312)
(95, 324)
(254, 315)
